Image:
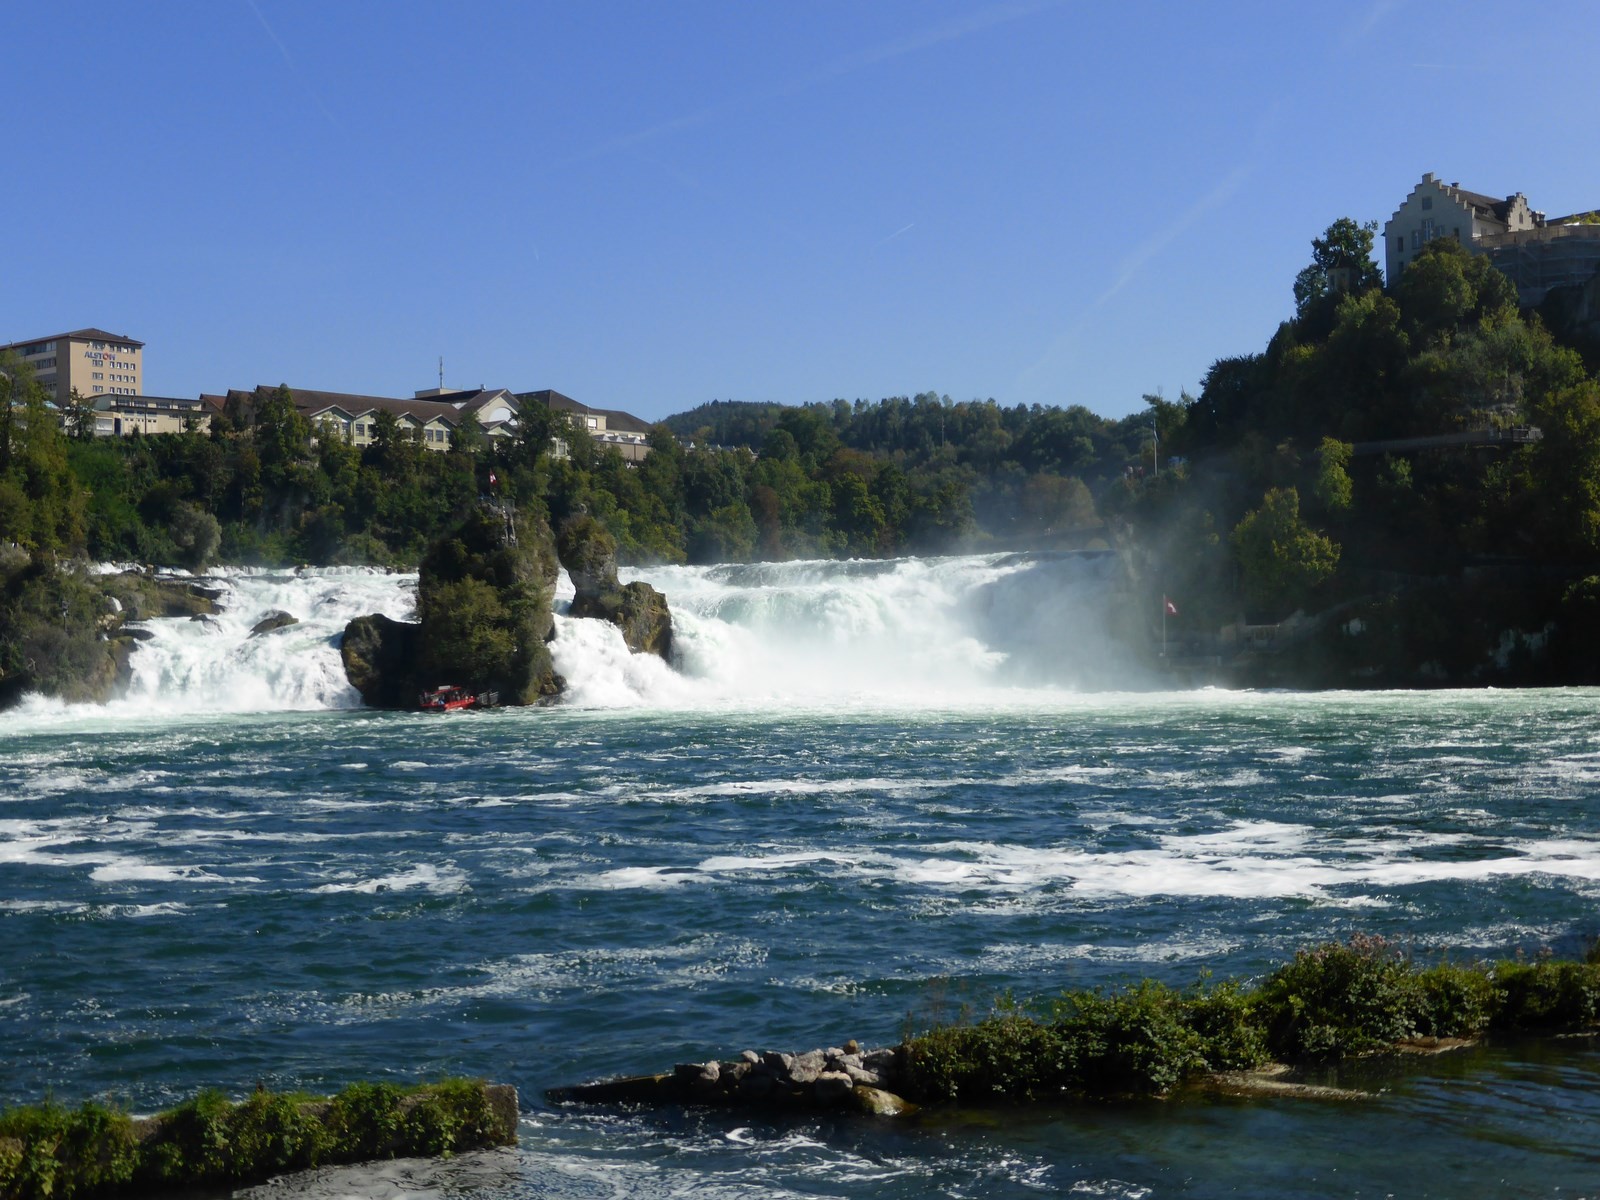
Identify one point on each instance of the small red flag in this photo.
(1172, 609)
(492, 479)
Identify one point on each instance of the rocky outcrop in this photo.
(65, 632)
(484, 596)
(380, 660)
(143, 597)
(589, 554)
(843, 1077)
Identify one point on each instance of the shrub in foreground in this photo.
(48, 1151)
(1144, 1040)
(1336, 1001)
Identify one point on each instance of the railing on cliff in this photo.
(1518, 435)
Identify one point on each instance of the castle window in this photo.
(1427, 202)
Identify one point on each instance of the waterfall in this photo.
(918, 630)
(215, 664)
(933, 631)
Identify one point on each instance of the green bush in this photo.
(47, 1151)
(1231, 1040)
(1008, 1056)
(1546, 995)
(1330, 1002)
(1138, 1041)
(1454, 1001)
(193, 1144)
(1339, 999)
(1144, 1040)
(364, 1121)
(51, 1151)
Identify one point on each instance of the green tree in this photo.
(1565, 469)
(1333, 488)
(1446, 287)
(79, 418)
(1282, 557)
(1341, 262)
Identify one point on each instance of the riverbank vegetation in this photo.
(50, 1151)
(1337, 1001)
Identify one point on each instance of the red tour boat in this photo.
(451, 698)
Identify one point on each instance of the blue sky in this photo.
(649, 206)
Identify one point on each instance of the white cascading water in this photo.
(906, 631)
(910, 630)
(215, 664)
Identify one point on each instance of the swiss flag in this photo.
(492, 479)
(1172, 609)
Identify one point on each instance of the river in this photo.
(871, 794)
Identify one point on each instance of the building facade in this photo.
(431, 416)
(121, 416)
(609, 427)
(1539, 253)
(91, 362)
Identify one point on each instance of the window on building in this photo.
(1427, 203)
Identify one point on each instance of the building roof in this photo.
(312, 402)
(616, 420)
(89, 335)
(118, 400)
(1486, 206)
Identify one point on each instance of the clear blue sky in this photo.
(651, 205)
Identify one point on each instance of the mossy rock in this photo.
(638, 610)
(145, 597)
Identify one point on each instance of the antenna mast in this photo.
(441, 372)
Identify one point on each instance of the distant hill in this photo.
(727, 422)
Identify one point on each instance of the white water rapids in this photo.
(919, 631)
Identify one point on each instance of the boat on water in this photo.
(451, 697)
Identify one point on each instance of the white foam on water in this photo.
(625, 878)
(138, 871)
(440, 881)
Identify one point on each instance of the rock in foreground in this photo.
(842, 1078)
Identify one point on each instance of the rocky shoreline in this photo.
(839, 1077)
(847, 1079)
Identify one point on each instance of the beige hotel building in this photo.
(93, 361)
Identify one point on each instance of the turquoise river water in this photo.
(869, 794)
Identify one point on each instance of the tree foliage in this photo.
(1282, 557)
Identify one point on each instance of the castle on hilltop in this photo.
(1539, 253)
